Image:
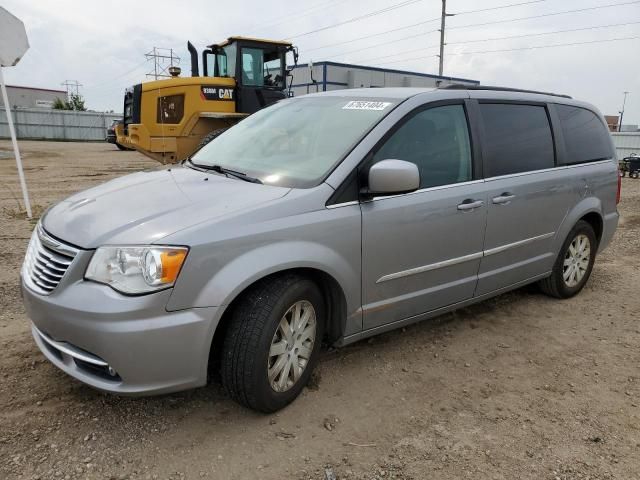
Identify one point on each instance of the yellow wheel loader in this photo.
(170, 119)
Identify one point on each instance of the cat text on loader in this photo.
(170, 119)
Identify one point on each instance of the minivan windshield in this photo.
(296, 142)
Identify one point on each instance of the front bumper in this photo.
(85, 328)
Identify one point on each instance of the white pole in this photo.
(7, 107)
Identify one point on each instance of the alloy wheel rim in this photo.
(291, 346)
(576, 260)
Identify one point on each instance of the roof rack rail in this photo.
(460, 86)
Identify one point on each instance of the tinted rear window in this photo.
(585, 136)
(517, 139)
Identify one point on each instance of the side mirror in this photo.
(393, 176)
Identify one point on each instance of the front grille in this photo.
(46, 261)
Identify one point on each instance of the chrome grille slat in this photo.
(42, 279)
(49, 275)
(44, 287)
(59, 259)
(50, 266)
(46, 261)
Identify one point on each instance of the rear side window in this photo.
(517, 139)
(585, 136)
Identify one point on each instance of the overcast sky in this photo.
(102, 44)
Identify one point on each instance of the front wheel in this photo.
(574, 263)
(273, 342)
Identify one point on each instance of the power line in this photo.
(547, 46)
(373, 35)
(359, 17)
(517, 49)
(594, 27)
(405, 27)
(545, 15)
(386, 43)
(499, 7)
(444, 15)
(300, 14)
(109, 82)
(395, 54)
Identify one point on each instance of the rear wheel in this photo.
(574, 263)
(120, 147)
(273, 342)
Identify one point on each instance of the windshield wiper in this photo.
(226, 171)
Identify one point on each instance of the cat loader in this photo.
(170, 119)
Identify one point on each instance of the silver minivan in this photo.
(325, 218)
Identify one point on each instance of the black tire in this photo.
(255, 319)
(120, 147)
(622, 173)
(210, 136)
(555, 285)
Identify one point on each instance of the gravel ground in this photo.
(520, 386)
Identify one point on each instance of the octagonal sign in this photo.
(13, 39)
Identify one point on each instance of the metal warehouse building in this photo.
(31, 97)
(324, 76)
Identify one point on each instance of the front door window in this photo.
(437, 141)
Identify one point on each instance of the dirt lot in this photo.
(521, 386)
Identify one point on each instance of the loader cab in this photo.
(258, 67)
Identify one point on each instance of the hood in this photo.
(147, 206)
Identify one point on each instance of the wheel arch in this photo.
(588, 209)
(332, 292)
(596, 221)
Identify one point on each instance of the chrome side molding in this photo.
(464, 258)
(519, 243)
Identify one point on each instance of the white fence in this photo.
(40, 124)
(626, 143)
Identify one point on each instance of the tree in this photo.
(59, 104)
(75, 102)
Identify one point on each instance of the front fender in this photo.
(236, 275)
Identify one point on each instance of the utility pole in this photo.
(70, 86)
(622, 111)
(163, 60)
(442, 26)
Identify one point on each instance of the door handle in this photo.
(470, 204)
(503, 199)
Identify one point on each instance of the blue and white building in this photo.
(325, 76)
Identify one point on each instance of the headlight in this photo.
(136, 270)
